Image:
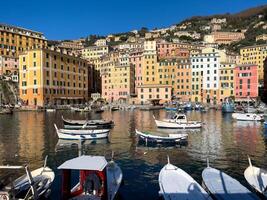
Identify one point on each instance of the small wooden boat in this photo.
(114, 108)
(170, 108)
(171, 138)
(224, 187)
(175, 183)
(77, 109)
(50, 110)
(80, 134)
(87, 123)
(33, 185)
(99, 110)
(247, 117)
(179, 121)
(6, 111)
(98, 179)
(257, 178)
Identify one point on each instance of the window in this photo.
(34, 55)
(34, 64)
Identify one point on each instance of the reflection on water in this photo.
(29, 136)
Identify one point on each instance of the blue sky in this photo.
(65, 19)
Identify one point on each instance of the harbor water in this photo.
(27, 137)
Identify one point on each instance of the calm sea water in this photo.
(27, 137)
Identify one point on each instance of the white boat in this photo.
(50, 110)
(76, 109)
(224, 187)
(98, 179)
(171, 138)
(179, 121)
(247, 117)
(69, 134)
(33, 185)
(97, 123)
(257, 178)
(175, 183)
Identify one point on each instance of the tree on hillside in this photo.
(143, 31)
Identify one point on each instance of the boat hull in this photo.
(257, 179)
(224, 187)
(247, 117)
(91, 136)
(175, 183)
(172, 138)
(173, 125)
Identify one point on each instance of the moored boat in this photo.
(257, 178)
(98, 179)
(99, 123)
(33, 185)
(247, 116)
(6, 111)
(265, 125)
(50, 110)
(228, 106)
(81, 134)
(175, 183)
(178, 121)
(171, 138)
(224, 187)
(114, 108)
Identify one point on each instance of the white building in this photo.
(101, 42)
(205, 75)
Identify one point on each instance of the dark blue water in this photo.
(27, 137)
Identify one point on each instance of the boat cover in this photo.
(96, 163)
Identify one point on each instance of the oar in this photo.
(84, 126)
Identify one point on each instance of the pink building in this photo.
(9, 65)
(168, 50)
(135, 59)
(246, 81)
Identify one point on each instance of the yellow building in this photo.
(227, 82)
(254, 55)
(177, 74)
(14, 40)
(49, 76)
(94, 52)
(149, 63)
(118, 83)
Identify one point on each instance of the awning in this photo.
(96, 163)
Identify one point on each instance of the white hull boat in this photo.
(224, 187)
(33, 185)
(50, 110)
(257, 178)
(247, 117)
(171, 138)
(81, 134)
(175, 183)
(178, 125)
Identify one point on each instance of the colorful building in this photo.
(227, 82)
(150, 93)
(135, 58)
(254, 55)
(49, 76)
(224, 37)
(246, 81)
(9, 65)
(14, 40)
(94, 52)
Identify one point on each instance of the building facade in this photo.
(94, 52)
(246, 81)
(149, 93)
(227, 81)
(14, 40)
(49, 77)
(254, 55)
(224, 37)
